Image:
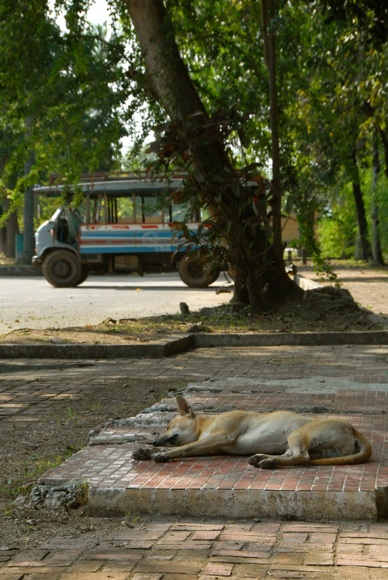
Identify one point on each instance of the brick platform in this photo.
(229, 486)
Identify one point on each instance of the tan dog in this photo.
(274, 439)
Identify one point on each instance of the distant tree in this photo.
(341, 103)
(60, 98)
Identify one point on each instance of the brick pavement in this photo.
(189, 549)
(207, 548)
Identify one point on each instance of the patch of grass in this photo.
(130, 520)
(83, 493)
(223, 320)
(26, 476)
(70, 414)
(220, 319)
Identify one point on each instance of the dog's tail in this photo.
(364, 451)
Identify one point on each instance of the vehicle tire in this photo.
(84, 274)
(62, 269)
(195, 274)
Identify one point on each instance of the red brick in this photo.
(288, 558)
(218, 569)
(315, 558)
(206, 535)
(29, 558)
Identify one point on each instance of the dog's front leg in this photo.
(146, 453)
(265, 461)
(212, 444)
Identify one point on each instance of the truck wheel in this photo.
(84, 274)
(62, 269)
(196, 274)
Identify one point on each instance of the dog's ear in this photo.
(183, 406)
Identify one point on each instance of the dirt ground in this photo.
(368, 288)
(31, 448)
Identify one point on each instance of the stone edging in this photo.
(177, 344)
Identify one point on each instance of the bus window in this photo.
(126, 210)
(146, 210)
(178, 212)
(181, 213)
(151, 210)
(111, 210)
(97, 210)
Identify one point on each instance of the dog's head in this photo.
(182, 429)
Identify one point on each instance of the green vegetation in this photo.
(292, 94)
(28, 473)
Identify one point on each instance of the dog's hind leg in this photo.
(296, 454)
(322, 442)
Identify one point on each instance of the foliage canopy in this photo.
(69, 96)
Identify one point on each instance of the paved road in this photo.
(30, 302)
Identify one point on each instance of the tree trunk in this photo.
(260, 279)
(28, 217)
(384, 140)
(306, 225)
(10, 228)
(361, 214)
(377, 253)
(268, 14)
(8, 232)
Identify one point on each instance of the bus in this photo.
(120, 226)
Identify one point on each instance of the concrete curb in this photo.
(21, 270)
(158, 349)
(316, 506)
(178, 344)
(291, 339)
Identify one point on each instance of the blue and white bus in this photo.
(121, 225)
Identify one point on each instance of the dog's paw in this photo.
(142, 454)
(267, 464)
(256, 459)
(161, 457)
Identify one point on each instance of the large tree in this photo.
(260, 277)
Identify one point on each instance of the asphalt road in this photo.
(30, 302)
